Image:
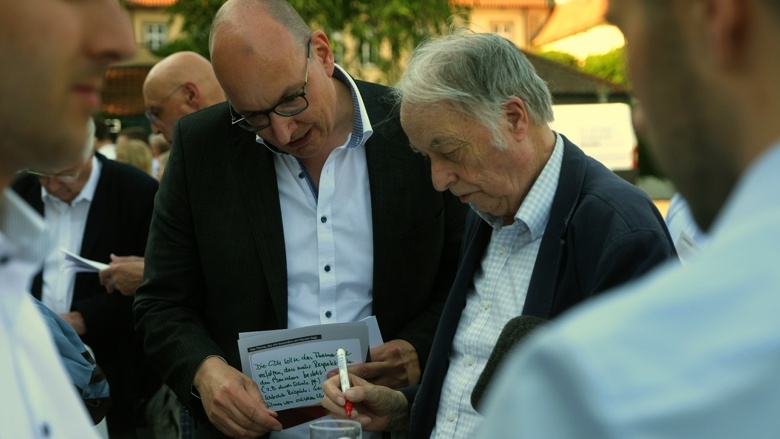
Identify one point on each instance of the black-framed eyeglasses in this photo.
(288, 107)
(154, 115)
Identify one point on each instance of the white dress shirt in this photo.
(499, 291)
(37, 398)
(65, 224)
(687, 352)
(328, 235)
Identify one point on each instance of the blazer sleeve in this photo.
(172, 298)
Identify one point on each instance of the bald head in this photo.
(236, 14)
(178, 85)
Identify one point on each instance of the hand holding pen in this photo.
(377, 408)
(344, 377)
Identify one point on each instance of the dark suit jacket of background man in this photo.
(216, 262)
(118, 222)
(601, 233)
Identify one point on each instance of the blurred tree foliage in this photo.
(390, 27)
(610, 65)
(565, 58)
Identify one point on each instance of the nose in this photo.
(282, 128)
(157, 127)
(441, 176)
(110, 35)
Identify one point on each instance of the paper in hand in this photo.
(77, 264)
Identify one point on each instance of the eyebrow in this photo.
(438, 142)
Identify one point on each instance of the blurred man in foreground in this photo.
(689, 351)
(54, 54)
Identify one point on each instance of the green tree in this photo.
(561, 57)
(387, 29)
(610, 65)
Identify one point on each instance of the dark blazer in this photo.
(216, 262)
(602, 232)
(118, 222)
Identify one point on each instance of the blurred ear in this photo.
(321, 51)
(192, 95)
(517, 116)
(727, 31)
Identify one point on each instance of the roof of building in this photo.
(571, 18)
(151, 3)
(514, 4)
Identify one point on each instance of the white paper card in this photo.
(77, 264)
(290, 365)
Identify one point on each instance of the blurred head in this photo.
(705, 86)
(66, 182)
(474, 105)
(54, 54)
(178, 85)
(132, 133)
(158, 144)
(137, 153)
(102, 133)
(277, 74)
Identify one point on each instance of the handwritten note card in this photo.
(296, 379)
(290, 365)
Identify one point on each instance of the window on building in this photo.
(503, 28)
(337, 46)
(369, 52)
(155, 35)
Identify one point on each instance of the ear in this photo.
(192, 94)
(727, 30)
(517, 115)
(320, 51)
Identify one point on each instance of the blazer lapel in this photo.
(256, 181)
(541, 290)
(97, 217)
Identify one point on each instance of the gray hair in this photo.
(475, 73)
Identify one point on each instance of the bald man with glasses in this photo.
(297, 202)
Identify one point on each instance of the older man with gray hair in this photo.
(548, 228)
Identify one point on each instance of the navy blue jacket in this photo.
(602, 232)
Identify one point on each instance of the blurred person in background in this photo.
(92, 207)
(176, 86)
(104, 142)
(136, 153)
(161, 149)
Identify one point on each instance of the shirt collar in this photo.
(87, 192)
(534, 211)
(21, 230)
(361, 125)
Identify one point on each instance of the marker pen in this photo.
(342, 359)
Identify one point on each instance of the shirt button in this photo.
(328, 314)
(301, 175)
(451, 417)
(469, 360)
(4, 259)
(327, 268)
(45, 430)
(485, 304)
(501, 249)
(324, 219)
